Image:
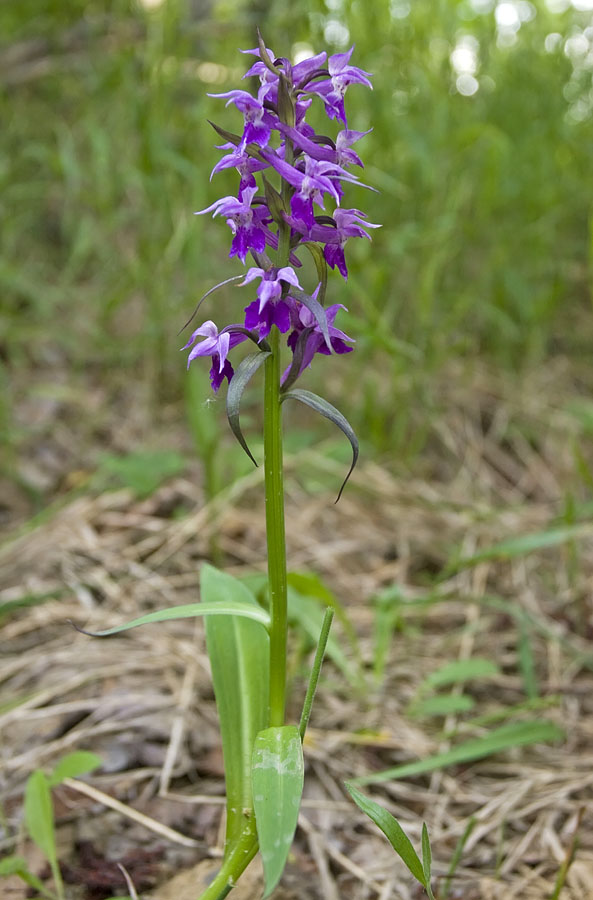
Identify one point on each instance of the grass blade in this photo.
(392, 830)
(503, 738)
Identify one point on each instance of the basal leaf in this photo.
(392, 830)
(247, 368)
(238, 649)
(187, 611)
(277, 778)
(334, 415)
(74, 764)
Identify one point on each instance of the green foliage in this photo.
(39, 819)
(457, 672)
(16, 865)
(516, 734)
(278, 772)
(522, 545)
(420, 869)
(231, 606)
(456, 858)
(80, 762)
(305, 612)
(239, 656)
(144, 470)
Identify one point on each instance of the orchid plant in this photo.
(275, 223)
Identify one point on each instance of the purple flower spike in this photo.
(269, 309)
(217, 345)
(245, 223)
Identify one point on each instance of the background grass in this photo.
(484, 199)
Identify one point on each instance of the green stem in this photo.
(233, 866)
(275, 532)
(274, 489)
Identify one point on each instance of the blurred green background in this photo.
(481, 149)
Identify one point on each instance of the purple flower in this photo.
(269, 309)
(298, 73)
(341, 77)
(348, 223)
(217, 345)
(244, 164)
(246, 224)
(339, 153)
(312, 184)
(258, 121)
(306, 327)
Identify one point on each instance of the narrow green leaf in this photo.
(386, 620)
(308, 584)
(315, 671)
(309, 615)
(334, 415)
(188, 611)
(247, 368)
(503, 738)
(426, 854)
(522, 545)
(250, 149)
(277, 777)
(74, 764)
(211, 291)
(456, 858)
(461, 670)
(392, 830)
(239, 656)
(16, 865)
(445, 705)
(39, 818)
(526, 659)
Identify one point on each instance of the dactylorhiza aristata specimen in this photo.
(290, 199)
(278, 145)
